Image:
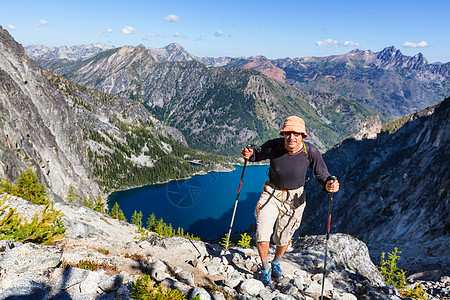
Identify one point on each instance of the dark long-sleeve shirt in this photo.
(288, 171)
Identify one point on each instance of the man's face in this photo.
(292, 141)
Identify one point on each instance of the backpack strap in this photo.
(307, 152)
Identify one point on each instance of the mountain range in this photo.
(387, 80)
(217, 109)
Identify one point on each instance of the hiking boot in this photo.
(276, 271)
(265, 277)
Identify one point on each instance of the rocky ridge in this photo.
(79, 52)
(193, 267)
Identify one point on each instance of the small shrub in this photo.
(145, 288)
(416, 292)
(102, 251)
(223, 243)
(245, 240)
(91, 265)
(389, 270)
(45, 227)
(134, 256)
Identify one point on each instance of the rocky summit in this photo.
(196, 268)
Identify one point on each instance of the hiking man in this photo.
(283, 198)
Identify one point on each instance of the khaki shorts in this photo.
(285, 207)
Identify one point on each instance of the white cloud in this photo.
(219, 33)
(103, 32)
(129, 30)
(415, 45)
(329, 43)
(350, 44)
(176, 34)
(172, 18)
(12, 27)
(149, 35)
(42, 22)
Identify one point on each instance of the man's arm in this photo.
(320, 171)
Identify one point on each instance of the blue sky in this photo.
(275, 29)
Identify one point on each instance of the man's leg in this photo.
(279, 251)
(263, 249)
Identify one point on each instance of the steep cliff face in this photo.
(37, 128)
(394, 188)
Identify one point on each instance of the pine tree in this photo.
(29, 188)
(72, 196)
(151, 222)
(114, 212)
(99, 205)
(136, 219)
(121, 216)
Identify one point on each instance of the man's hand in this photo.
(246, 152)
(332, 186)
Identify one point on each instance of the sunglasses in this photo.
(296, 134)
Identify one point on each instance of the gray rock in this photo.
(199, 292)
(157, 270)
(195, 247)
(24, 290)
(71, 277)
(314, 289)
(90, 284)
(175, 284)
(106, 296)
(289, 289)
(186, 277)
(215, 269)
(7, 245)
(111, 283)
(216, 295)
(233, 280)
(251, 287)
(371, 128)
(347, 252)
(64, 295)
(30, 257)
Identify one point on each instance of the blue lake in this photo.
(201, 205)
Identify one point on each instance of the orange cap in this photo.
(294, 124)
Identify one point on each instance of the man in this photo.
(283, 198)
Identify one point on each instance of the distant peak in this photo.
(174, 46)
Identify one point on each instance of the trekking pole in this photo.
(237, 198)
(326, 243)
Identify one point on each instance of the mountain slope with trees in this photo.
(217, 109)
